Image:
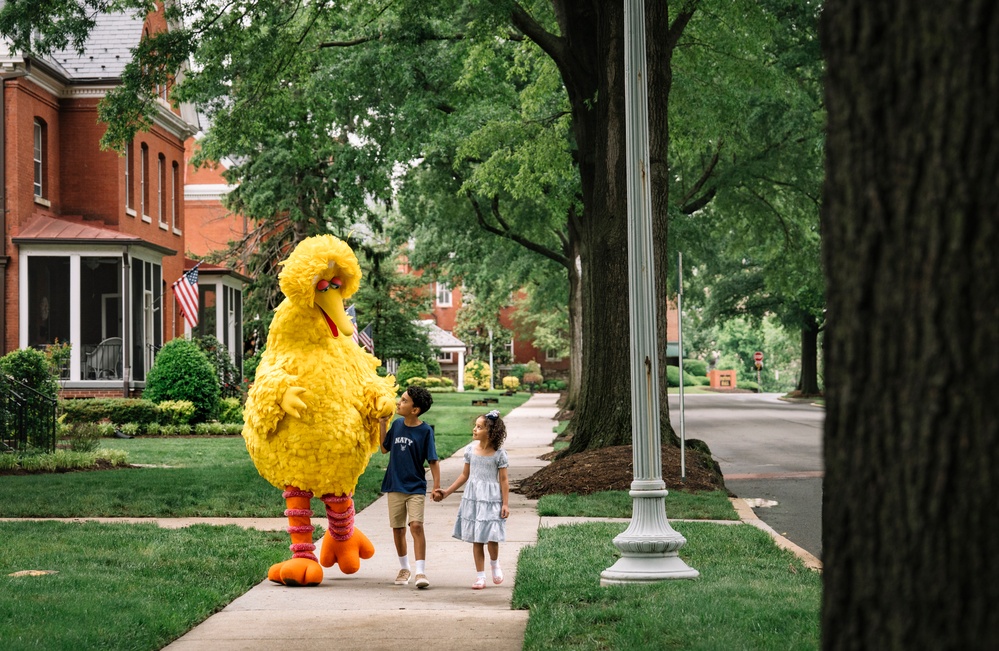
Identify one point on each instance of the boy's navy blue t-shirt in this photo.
(409, 448)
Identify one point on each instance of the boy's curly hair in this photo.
(421, 398)
(496, 427)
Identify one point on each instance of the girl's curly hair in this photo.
(496, 427)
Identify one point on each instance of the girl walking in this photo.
(485, 504)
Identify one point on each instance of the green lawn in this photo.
(704, 505)
(750, 594)
(119, 586)
(207, 476)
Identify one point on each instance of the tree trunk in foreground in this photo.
(911, 234)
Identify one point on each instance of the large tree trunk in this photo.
(593, 71)
(808, 383)
(911, 229)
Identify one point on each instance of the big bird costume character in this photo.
(312, 415)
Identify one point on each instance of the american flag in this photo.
(362, 337)
(185, 289)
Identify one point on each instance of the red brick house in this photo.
(93, 241)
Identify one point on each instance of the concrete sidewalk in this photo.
(366, 610)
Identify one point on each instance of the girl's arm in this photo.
(505, 492)
(459, 482)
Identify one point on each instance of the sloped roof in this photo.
(46, 230)
(440, 338)
(106, 51)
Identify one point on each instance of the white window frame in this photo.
(161, 190)
(39, 159)
(443, 294)
(143, 181)
(129, 193)
(174, 174)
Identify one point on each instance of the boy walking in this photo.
(411, 442)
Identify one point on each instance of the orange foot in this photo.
(296, 572)
(348, 553)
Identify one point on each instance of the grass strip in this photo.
(750, 594)
(119, 586)
(704, 505)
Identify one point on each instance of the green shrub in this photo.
(32, 368)
(84, 437)
(116, 410)
(154, 429)
(176, 412)
(409, 369)
(431, 382)
(183, 372)
(231, 411)
(130, 429)
(673, 377)
(106, 428)
(225, 370)
(554, 385)
(517, 371)
(250, 365)
(748, 384)
(696, 367)
(232, 429)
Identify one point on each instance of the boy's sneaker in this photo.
(422, 581)
(402, 578)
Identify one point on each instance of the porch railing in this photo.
(27, 417)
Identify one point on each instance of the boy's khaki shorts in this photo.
(404, 508)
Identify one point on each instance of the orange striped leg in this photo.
(302, 568)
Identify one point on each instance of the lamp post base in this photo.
(647, 569)
(649, 545)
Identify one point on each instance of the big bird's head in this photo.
(320, 273)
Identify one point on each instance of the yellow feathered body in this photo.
(328, 446)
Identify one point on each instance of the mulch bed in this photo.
(612, 469)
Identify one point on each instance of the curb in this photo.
(748, 516)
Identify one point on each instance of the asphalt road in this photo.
(769, 450)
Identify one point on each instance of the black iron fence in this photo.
(27, 417)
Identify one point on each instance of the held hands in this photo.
(438, 494)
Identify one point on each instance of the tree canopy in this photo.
(498, 127)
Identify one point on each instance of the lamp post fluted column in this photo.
(649, 545)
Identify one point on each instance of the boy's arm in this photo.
(382, 430)
(435, 472)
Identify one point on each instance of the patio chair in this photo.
(104, 361)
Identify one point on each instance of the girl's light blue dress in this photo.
(479, 518)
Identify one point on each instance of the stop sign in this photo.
(757, 357)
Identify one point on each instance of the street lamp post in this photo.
(649, 545)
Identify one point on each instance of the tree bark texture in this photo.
(592, 67)
(911, 232)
